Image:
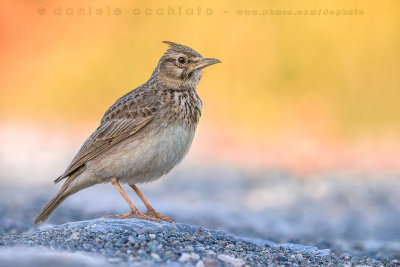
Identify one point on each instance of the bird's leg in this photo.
(150, 210)
(134, 211)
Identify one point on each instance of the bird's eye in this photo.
(181, 60)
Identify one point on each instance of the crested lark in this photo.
(145, 134)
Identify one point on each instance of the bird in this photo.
(142, 136)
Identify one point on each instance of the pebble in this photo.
(131, 240)
(231, 260)
(185, 257)
(195, 256)
(152, 236)
(155, 256)
(211, 252)
(230, 246)
(199, 248)
(75, 236)
(345, 256)
(299, 257)
(189, 248)
(113, 260)
(210, 262)
(281, 258)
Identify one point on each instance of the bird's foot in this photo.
(153, 213)
(133, 214)
(139, 215)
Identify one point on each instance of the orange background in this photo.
(305, 93)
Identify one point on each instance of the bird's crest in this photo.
(181, 48)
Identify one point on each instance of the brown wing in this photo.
(125, 118)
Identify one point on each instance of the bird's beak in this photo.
(205, 62)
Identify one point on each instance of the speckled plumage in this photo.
(146, 133)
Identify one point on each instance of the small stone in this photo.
(195, 256)
(189, 248)
(188, 236)
(169, 254)
(132, 240)
(292, 257)
(109, 235)
(345, 256)
(75, 236)
(185, 257)
(200, 264)
(299, 257)
(231, 260)
(230, 246)
(152, 236)
(281, 258)
(132, 258)
(199, 248)
(210, 262)
(155, 256)
(211, 252)
(113, 260)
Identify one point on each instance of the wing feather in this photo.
(124, 119)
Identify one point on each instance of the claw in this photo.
(133, 214)
(152, 212)
(138, 215)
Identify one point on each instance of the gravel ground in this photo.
(42, 256)
(355, 217)
(142, 243)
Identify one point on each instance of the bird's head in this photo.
(180, 67)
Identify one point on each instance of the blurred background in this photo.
(300, 123)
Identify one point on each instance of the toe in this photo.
(146, 217)
(155, 214)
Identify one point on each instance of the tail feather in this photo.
(64, 192)
(59, 179)
(51, 206)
